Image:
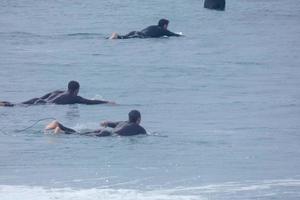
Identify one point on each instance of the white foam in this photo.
(226, 190)
(8, 192)
(234, 187)
(98, 96)
(179, 33)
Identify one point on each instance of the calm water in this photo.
(221, 104)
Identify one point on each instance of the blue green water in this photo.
(221, 104)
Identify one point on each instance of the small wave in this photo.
(157, 134)
(83, 34)
(261, 187)
(25, 192)
(227, 190)
(19, 34)
(245, 63)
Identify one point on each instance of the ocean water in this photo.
(221, 105)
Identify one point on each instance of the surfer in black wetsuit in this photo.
(60, 97)
(154, 31)
(123, 128)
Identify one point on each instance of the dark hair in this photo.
(134, 115)
(162, 22)
(73, 85)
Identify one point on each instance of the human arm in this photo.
(169, 33)
(143, 131)
(82, 100)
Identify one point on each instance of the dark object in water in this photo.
(215, 4)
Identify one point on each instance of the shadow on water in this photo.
(72, 112)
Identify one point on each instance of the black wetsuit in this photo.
(67, 98)
(126, 128)
(153, 31)
(120, 128)
(57, 97)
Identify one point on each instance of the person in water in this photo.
(60, 97)
(123, 128)
(154, 31)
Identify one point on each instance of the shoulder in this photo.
(64, 98)
(78, 99)
(142, 130)
(152, 27)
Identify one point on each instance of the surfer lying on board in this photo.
(154, 31)
(123, 128)
(60, 97)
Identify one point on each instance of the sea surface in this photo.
(221, 104)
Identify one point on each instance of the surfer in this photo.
(122, 128)
(154, 31)
(60, 97)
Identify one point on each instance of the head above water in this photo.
(163, 23)
(73, 87)
(134, 116)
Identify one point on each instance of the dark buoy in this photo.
(215, 4)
